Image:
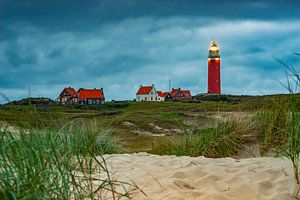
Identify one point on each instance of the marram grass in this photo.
(226, 138)
(43, 164)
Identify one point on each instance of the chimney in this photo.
(101, 89)
(152, 85)
(94, 88)
(141, 86)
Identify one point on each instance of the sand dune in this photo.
(184, 178)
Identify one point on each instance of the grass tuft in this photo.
(226, 138)
(64, 164)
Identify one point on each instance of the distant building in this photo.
(82, 96)
(181, 95)
(147, 93)
(160, 96)
(167, 96)
(67, 95)
(90, 96)
(164, 96)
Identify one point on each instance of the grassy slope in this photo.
(166, 115)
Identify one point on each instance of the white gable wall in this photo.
(161, 98)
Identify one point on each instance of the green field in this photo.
(137, 125)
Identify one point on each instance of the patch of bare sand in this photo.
(184, 178)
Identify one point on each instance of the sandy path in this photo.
(176, 178)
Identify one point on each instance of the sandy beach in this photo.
(184, 178)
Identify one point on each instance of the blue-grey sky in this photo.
(47, 45)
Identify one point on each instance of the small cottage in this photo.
(164, 96)
(82, 96)
(90, 96)
(67, 95)
(167, 96)
(146, 93)
(181, 95)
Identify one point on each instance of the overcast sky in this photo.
(46, 45)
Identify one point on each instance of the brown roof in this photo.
(70, 90)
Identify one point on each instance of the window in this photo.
(145, 98)
(151, 98)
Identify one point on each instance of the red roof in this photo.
(159, 93)
(165, 94)
(90, 94)
(162, 94)
(70, 90)
(186, 92)
(144, 90)
(174, 92)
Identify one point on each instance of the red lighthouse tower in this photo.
(214, 80)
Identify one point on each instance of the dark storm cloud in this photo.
(121, 44)
(81, 15)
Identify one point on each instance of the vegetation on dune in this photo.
(40, 162)
(273, 125)
(226, 138)
(292, 148)
(168, 117)
(46, 164)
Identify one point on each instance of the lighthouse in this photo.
(214, 79)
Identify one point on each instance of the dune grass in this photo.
(47, 164)
(273, 125)
(292, 148)
(226, 138)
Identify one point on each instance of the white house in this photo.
(147, 93)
